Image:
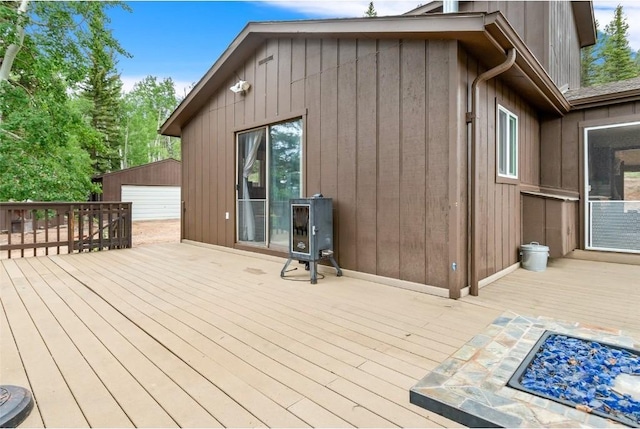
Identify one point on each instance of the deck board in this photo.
(73, 348)
(56, 402)
(138, 385)
(182, 335)
(227, 411)
(11, 367)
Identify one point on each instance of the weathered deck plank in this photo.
(74, 349)
(212, 338)
(227, 411)
(56, 402)
(11, 369)
(596, 293)
(143, 391)
(193, 347)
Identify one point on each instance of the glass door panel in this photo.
(613, 188)
(251, 186)
(285, 171)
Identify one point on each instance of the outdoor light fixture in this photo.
(240, 87)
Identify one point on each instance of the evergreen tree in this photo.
(103, 88)
(45, 56)
(371, 11)
(617, 57)
(588, 64)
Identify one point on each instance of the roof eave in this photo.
(584, 18)
(548, 96)
(425, 8)
(489, 32)
(605, 99)
(443, 27)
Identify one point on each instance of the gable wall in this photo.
(547, 28)
(378, 140)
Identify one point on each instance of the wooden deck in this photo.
(179, 335)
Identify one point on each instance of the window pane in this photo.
(513, 146)
(502, 142)
(285, 154)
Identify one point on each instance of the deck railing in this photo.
(42, 228)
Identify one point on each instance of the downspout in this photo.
(475, 136)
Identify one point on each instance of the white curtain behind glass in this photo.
(251, 144)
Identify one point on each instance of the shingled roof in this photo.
(605, 94)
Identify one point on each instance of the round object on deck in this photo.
(15, 405)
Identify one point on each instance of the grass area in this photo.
(632, 174)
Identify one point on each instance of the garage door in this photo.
(153, 202)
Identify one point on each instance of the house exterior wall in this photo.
(562, 150)
(549, 30)
(499, 204)
(384, 136)
(166, 172)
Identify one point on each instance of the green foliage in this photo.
(617, 55)
(42, 126)
(588, 66)
(63, 117)
(39, 159)
(103, 88)
(371, 11)
(611, 59)
(147, 106)
(285, 149)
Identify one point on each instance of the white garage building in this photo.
(154, 189)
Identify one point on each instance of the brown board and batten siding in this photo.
(557, 46)
(160, 173)
(385, 137)
(378, 139)
(499, 204)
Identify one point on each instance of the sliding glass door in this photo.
(269, 174)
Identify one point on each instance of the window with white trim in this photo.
(507, 138)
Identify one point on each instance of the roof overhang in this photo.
(606, 99)
(585, 22)
(583, 15)
(486, 36)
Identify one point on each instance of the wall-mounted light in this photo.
(240, 87)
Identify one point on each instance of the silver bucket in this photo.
(534, 256)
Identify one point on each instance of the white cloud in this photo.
(347, 8)
(182, 87)
(604, 14)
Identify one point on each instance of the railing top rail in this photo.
(55, 204)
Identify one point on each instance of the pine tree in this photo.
(103, 88)
(588, 61)
(44, 128)
(588, 66)
(617, 58)
(371, 11)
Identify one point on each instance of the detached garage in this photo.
(154, 189)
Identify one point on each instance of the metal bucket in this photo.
(534, 256)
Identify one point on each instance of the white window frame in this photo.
(511, 146)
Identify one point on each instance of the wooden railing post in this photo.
(71, 228)
(112, 221)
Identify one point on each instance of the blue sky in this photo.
(182, 39)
